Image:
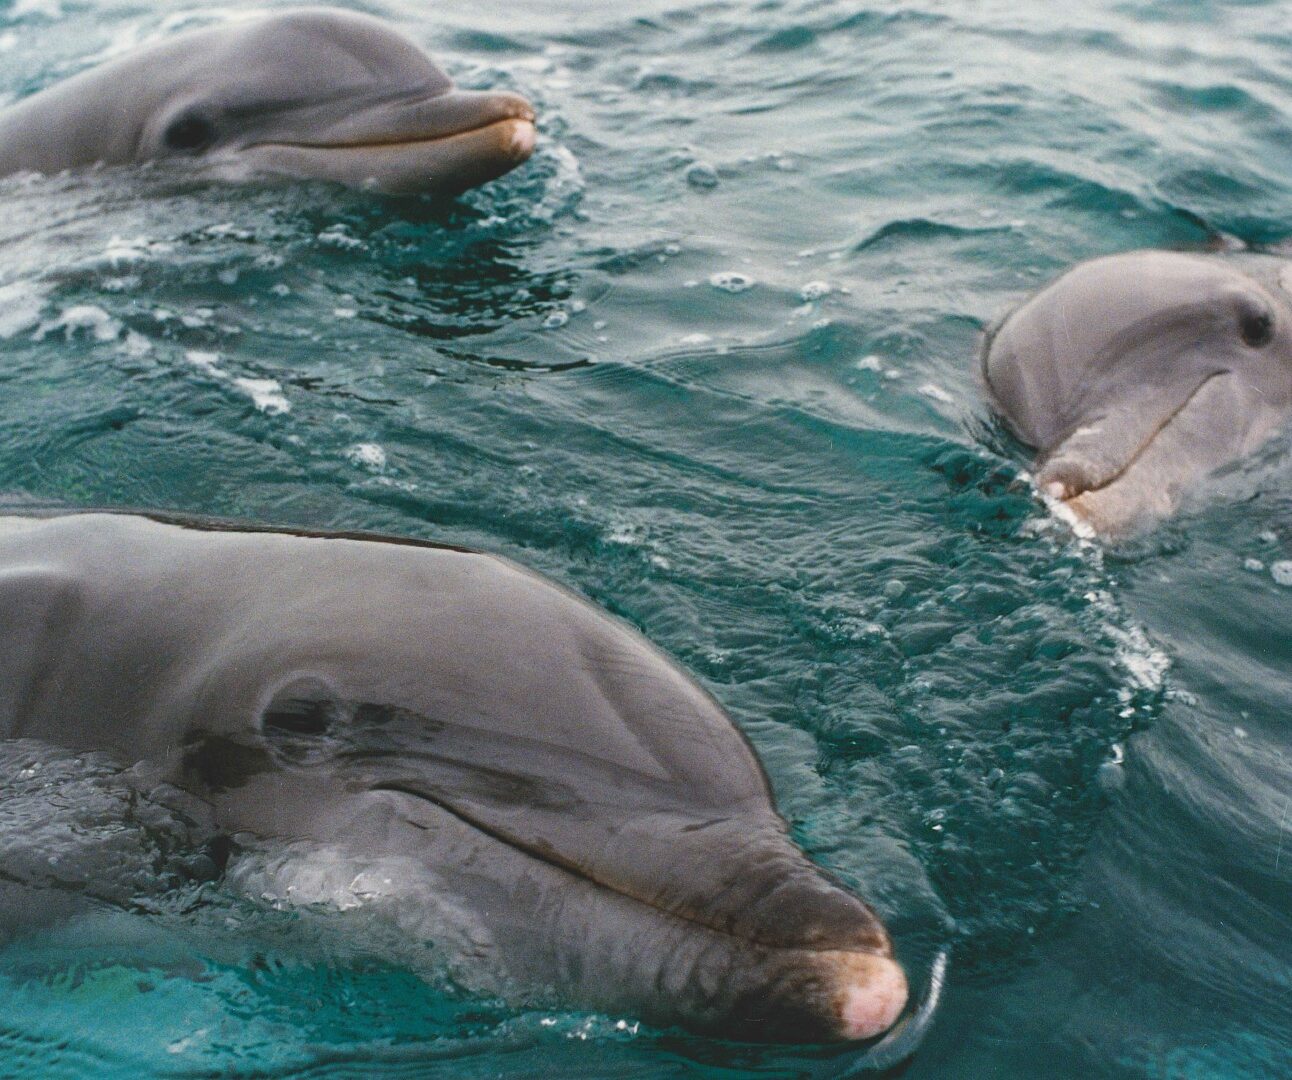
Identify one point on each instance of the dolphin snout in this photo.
(516, 106)
(816, 996)
(511, 115)
(523, 137)
(460, 111)
(848, 991)
(872, 995)
(517, 125)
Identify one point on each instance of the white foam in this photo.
(931, 390)
(87, 317)
(815, 290)
(370, 455)
(338, 236)
(624, 532)
(731, 281)
(198, 319)
(21, 304)
(180, 1046)
(568, 171)
(138, 249)
(207, 361)
(1143, 661)
(230, 230)
(1281, 572)
(1080, 527)
(266, 394)
(136, 345)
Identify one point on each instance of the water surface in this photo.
(707, 359)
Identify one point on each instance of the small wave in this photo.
(21, 306)
(916, 230)
(265, 394)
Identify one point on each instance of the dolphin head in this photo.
(1134, 376)
(561, 799)
(320, 94)
(613, 881)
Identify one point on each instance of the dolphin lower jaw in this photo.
(683, 973)
(1110, 484)
(675, 969)
(445, 145)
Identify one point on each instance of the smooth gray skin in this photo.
(1135, 376)
(595, 823)
(313, 93)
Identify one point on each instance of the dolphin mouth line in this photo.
(396, 143)
(1067, 495)
(551, 858)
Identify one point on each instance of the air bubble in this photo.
(731, 281)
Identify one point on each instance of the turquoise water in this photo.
(708, 359)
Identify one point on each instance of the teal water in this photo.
(708, 359)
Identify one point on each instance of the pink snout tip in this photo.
(874, 998)
(523, 137)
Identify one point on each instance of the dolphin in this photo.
(1135, 376)
(312, 93)
(594, 824)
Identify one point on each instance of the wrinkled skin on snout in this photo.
(598, 829)
(317, 94)
(1136, 376)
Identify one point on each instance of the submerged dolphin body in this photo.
(313, 93)
(1135, 376)
(595, 823)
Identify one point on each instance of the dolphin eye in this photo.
(1256, 325)
(299, 716)
(190, 133)
(305, 706)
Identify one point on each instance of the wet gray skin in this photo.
(1135, 376)
(319, 94)
(597, 827)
